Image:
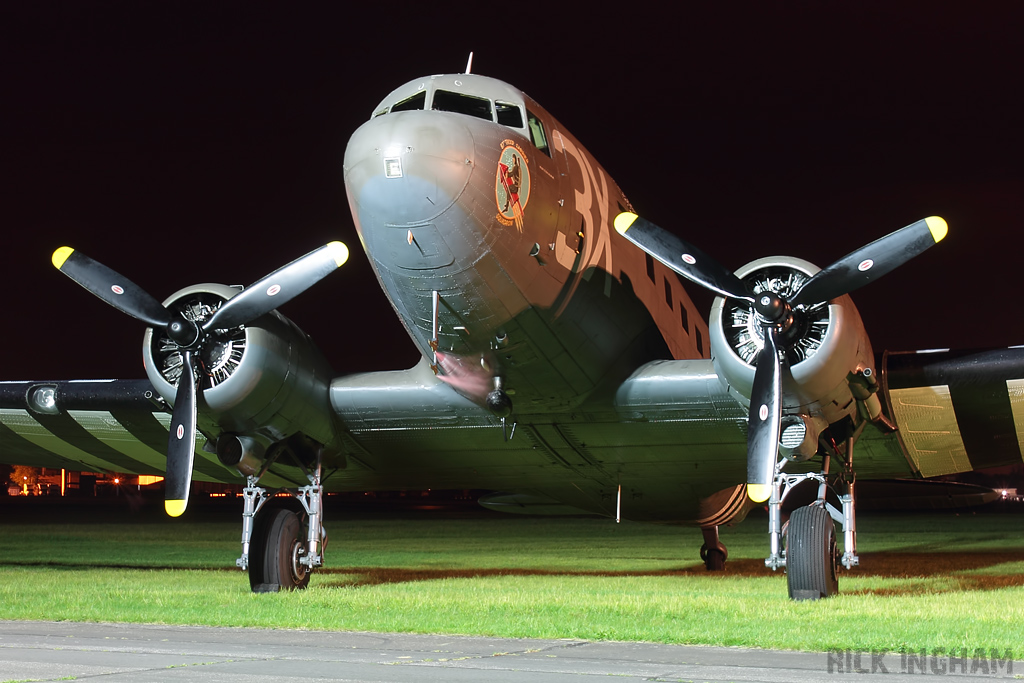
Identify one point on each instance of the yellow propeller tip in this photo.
(938, 227)
(339, 251)
(60, 256)
(175, 507)
(623, 221)
(759, 493)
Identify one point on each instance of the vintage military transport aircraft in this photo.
(564, 366)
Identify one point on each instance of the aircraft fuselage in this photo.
(464, 186)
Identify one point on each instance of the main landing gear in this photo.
(811, 556)
(281, 548)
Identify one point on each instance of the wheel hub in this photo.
(299, 570)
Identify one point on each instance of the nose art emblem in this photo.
(512, 184)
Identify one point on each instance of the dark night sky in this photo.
(187, 142)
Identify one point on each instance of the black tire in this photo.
(811, 554)
(714, 558)
(277, 544)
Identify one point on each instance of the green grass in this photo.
(926, 581)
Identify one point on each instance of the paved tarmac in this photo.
(51, 651)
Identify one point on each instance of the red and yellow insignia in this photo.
(512, 184)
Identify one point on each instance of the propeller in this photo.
(260, 298)
(775, 313)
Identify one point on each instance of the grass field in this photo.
(925, 581)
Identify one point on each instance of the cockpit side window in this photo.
(411, 103)
(540, 140)
(509, 114)
(459, 103)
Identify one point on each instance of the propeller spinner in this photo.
(774, 313)
(258, 299)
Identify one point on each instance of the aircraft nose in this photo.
(407, 168)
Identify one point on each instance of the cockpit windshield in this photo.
(410, 103)
(486, 99)
(509, 114)
(460, 103)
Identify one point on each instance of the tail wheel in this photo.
(714, 558)
(811, 554)
(276, 551)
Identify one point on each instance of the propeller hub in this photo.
(183, 332)
(772, 308)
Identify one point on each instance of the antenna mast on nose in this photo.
(469, 64)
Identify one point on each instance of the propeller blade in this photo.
(116, 290)
(181, 443)
(765, 419)
(680, 256)
(281, 286)
(871, 262)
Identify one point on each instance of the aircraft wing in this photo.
(94, 426)
(954, 411)
(957, 410)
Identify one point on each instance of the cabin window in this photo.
(411, 103)
(540, 140)
(459, 103)
(509, 114)
(684, 319)
(668, 293)
(650, 266)
(700, 340)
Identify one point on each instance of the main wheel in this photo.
(275, 552)
(811, 554)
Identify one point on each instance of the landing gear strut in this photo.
(811, 556)
(279, 549)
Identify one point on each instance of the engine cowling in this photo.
(265, 379)
(824, 345)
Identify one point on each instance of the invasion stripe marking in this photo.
(985, 416)
(25, 425)
(929, 430)
(204, 463)
(147, 428)
(107, 428)
(978, 389)
(1015, 389)
(18, 449)
(64, 427)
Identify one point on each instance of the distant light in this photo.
(117, 481)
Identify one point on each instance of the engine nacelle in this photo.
(823, 346)
(264, 379)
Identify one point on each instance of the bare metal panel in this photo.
(929, 430)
